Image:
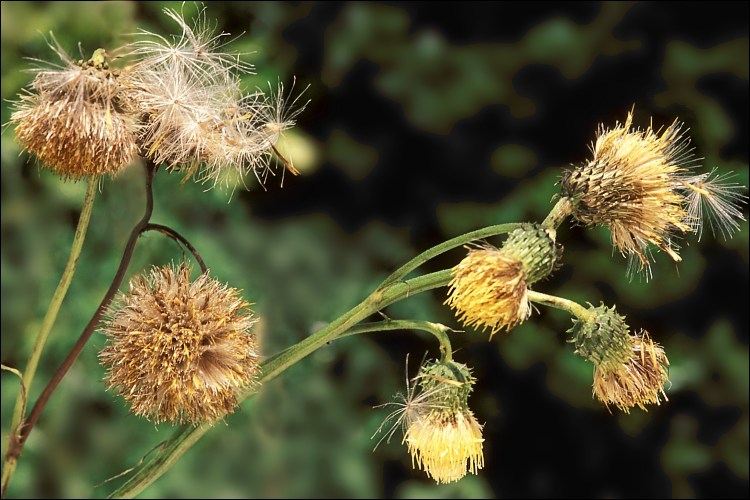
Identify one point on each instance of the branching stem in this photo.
(16, 445)
(49, 320)
(168, 231)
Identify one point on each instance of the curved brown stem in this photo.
(168, 231)
(15, 448)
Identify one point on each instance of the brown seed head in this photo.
(630, 370)
(72, 121)
(180, 350)
(634, 186)
(635, 381)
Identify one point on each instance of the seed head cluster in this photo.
(177, 100)
(180, 350)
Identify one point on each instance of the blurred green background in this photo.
(425, 121)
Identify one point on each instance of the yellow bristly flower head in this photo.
(441, 433)
(489, 286)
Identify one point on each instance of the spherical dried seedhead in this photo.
(634, 185)
(490, 286)
(630, 370)
(71, 120)
(442, 434)
(180, 350)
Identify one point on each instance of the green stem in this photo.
(187, 435)
(559, 212)
(438, 330)
(430, 253)
(573, 308)
(180, 239)
(49, 321)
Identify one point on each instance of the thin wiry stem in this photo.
(168, 231)
(436, 329)
(401, 272)
(14, 450)
(47, 324)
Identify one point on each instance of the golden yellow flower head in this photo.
(180, 350)
(71, 119)
(630, 370)
(641, 185)
(489, 286)
(441, 433)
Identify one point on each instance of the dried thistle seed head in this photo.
(630, 370)
(72, 119)
(442, 434)
(490, 286)
(180, 350)
(195, 115)
(637, 381)
(633, 185)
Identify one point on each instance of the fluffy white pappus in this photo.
(195, 115)
(714, 198)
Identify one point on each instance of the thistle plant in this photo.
(183, 350)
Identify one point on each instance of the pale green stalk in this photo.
(436, 329)
(559, 213)
(430, 253)
(573, 308)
